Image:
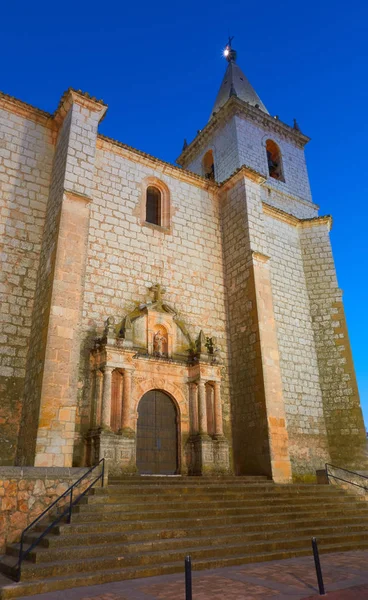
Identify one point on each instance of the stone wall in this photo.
(252, 139)
(225, 153)
(48, 418)
(342, 411)
(25, 492)
(125, 256)
(26, 153)
(298, 357)
(302, 209)
(259, 428)
(243, 142)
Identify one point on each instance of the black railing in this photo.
(65, 512)
(329, 474)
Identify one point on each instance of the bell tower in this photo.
(241, 131)
(294, 398)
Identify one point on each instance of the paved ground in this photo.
(345, 576)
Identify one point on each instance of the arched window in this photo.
(208, 165)
(153, 205)
(274, 161)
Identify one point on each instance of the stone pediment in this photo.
(155, 329)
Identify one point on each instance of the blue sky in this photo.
(158, 65)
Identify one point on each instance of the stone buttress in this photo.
(49, 405)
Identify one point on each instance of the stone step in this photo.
(141, 526)
(32, 571)
(158, 543)
(71, 537)
(162, 512)
(17, 590)
(210, 503)
(100, 496)
(254, 487)
(178, 479)
(130, 524)
(153, 558)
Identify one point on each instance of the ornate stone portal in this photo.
(151, 349)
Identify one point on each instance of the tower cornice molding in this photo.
(280, 215)
(239, 174)
(28, 111)
(84, 99)
(237, 107)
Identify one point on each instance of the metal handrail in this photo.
(363, 487)
(67, 511)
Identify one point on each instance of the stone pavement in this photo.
(345, 577)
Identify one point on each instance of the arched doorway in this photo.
(157, 434)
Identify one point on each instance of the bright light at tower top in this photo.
(226, 51)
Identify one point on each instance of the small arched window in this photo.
(208, 165)
(274, 161)
(153, 205)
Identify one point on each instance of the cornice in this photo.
(111, 145)
(285, 217)
(72, 96)
(279, 192)
(243, 171)
(236, 107)
(316, 221)
(25, 110)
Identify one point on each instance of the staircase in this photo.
(140, 527)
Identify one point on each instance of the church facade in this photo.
(174, 320)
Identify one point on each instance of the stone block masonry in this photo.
(49, 405)
(342, 411)
(26, 154)
(249, 281)
(296, 343)
(25, 492)
(259, 424)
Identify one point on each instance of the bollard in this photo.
(321, 587)
(188, 578)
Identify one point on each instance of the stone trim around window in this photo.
(165, 204)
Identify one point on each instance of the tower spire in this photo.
(235, 83)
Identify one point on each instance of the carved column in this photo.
(98, 398)
(218, 409)
(202, 408)
(127, 393)
(106, 397)
(193, 408)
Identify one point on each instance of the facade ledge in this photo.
(243, 171)
(309, 203)
(281, 215)
(25, 110)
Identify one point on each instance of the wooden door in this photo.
(157, 437)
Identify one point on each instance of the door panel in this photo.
(157, 438)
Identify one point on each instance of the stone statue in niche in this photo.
(159, 344)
